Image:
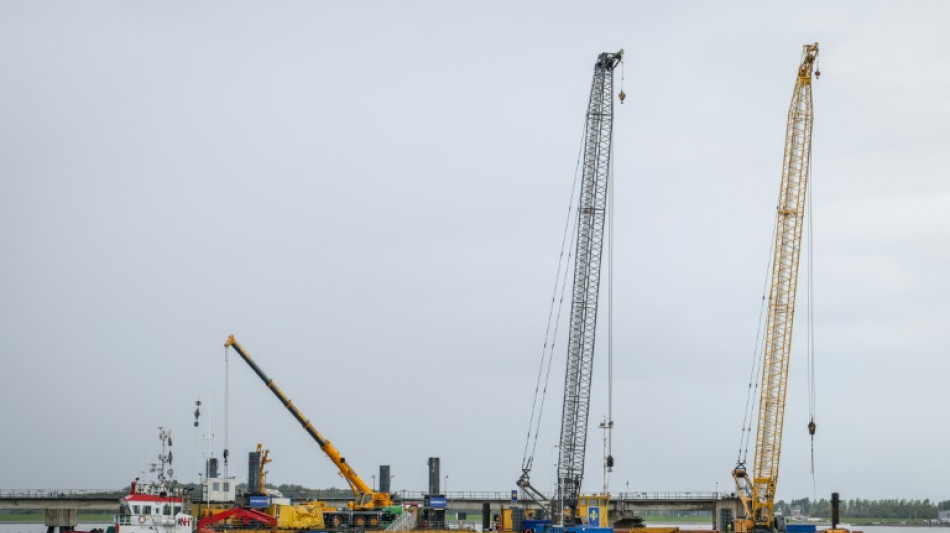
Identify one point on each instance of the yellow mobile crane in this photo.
(758, 493)
(368, 507)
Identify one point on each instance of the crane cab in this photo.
(594, 510)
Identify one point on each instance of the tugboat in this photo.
(155, 507)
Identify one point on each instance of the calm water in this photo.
(40, 528)
(900, 529)
(865, 529)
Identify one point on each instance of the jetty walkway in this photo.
(63, 505)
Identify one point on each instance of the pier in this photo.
(62, 506)
(723, 508)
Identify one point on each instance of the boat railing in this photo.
(141, 519)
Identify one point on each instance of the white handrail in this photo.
(405, 522)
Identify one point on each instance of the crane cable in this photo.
(811, 326)
(622, 95)
(227, 407)
(550, 334)
(755, 371)
(611, 231)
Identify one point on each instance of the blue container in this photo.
(800, 528)
(535, 526)
(257, 500)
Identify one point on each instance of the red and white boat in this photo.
(155, 507)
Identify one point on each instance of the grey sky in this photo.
(370, 196)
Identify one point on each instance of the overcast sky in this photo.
(371, 196)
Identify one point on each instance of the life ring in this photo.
(141, 519)
(528, 531)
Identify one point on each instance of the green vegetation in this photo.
(885, 522)
(677, 519)
(860, 511)
(298, 492)
(40, 516)
(21, 517)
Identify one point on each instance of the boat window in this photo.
(135, 509)
(167, 510)
(216, 486)
(177, 509)
(147, 509)
(227, 487)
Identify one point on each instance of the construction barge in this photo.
(569, 511)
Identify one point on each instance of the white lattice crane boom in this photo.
(591, 220)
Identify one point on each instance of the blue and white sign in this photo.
(593, 516)
(437, 502)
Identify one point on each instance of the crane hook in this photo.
(812, 427)
(622, 96)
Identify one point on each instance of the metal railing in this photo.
(405, 521)
(668, 496)
(402, 494)
(506, 495)
(457, 495)
(44, 494)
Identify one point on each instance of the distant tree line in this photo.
(298, 492)
(294, 492)
(859, 508)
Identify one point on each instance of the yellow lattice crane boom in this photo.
(758, 493)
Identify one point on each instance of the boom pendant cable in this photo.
(550, 334)
(755, 371)
(550, 359)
